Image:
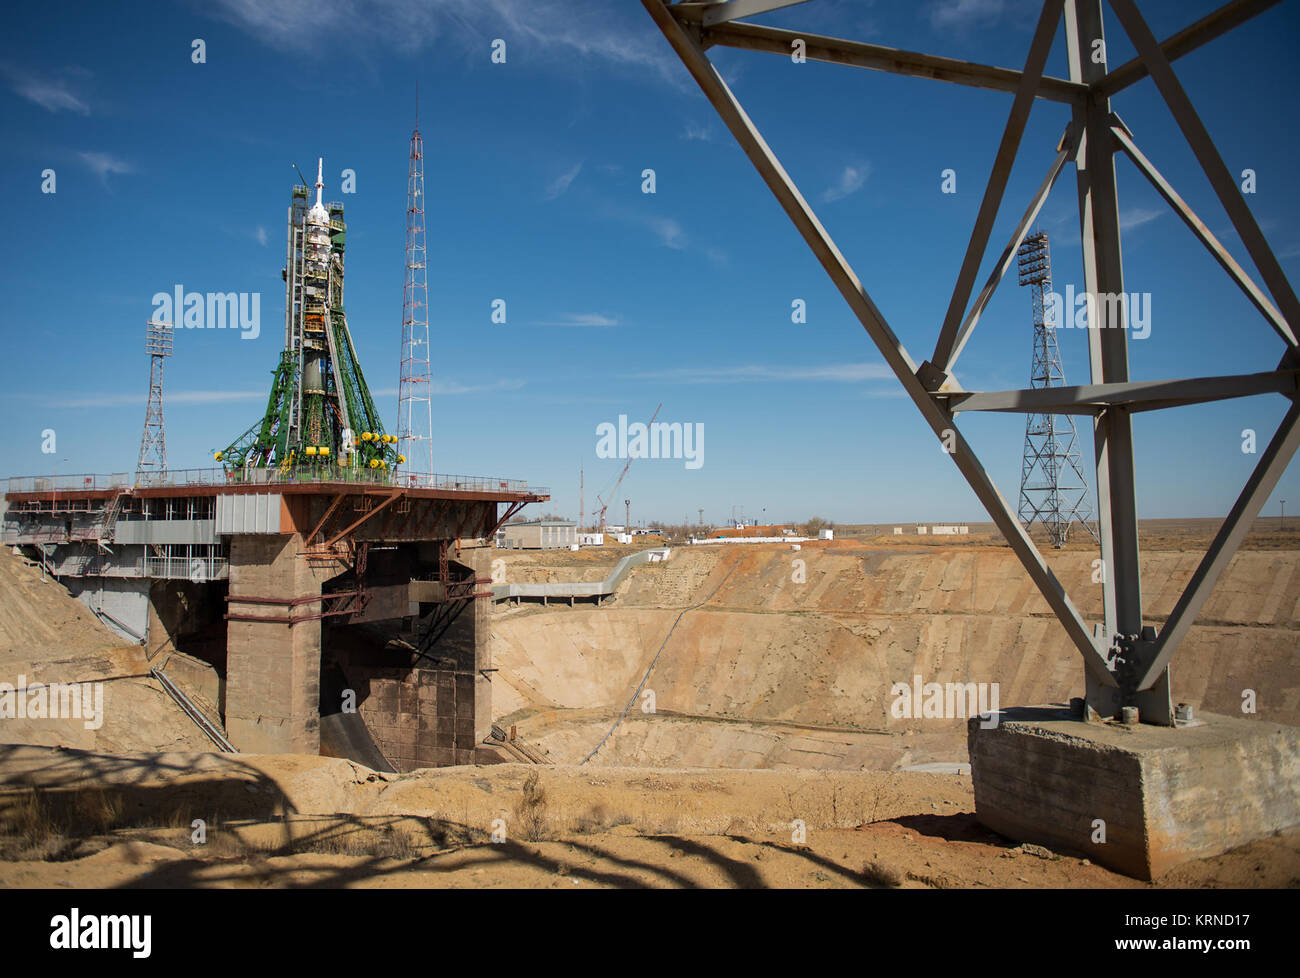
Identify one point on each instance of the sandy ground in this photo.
(47, 636)
(771, 714)
(293, 821)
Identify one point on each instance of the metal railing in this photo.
(271, 476)
(69, 483)
(187, 568)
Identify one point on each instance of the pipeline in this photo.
(193, 712)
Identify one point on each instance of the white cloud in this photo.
(668, 230)
(451, 387)
(965, 13)
(582, 319)
(454, 387)
(170, 397)
(558, 28)
(50, 94)
(260, 235)
(671, 234)
(560, 184)
(832, 373)
(695, 132)
(850, 182)
(105, 164)
(1135, 217)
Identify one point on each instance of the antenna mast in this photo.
(414, 402)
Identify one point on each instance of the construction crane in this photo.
(600, 521)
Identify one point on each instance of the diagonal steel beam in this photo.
(1206, 29)
(1135, 395)
(877, 57)
(1238, 274)
(1262, 481)
(390, 499)
(1064, 154)
(1041, 46)
(826, 252)
(723, 11)
(1208, 156)
(338, 501)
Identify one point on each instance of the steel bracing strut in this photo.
(1126, 661)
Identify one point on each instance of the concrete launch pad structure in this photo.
(313, 529)
(268, 574)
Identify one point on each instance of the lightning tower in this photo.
(153, 443)
(1053, 490)
(414, 405)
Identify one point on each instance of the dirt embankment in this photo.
(769, 657)
(101, 821)
(47, 636)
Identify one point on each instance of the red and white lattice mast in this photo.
(414, 403)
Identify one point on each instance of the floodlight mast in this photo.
(1126, 662)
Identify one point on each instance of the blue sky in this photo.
(170, 172)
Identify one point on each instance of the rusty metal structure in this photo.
(1126, 659)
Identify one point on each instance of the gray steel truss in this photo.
(1126, 662)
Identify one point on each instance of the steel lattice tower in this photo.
(1053, 490)
(414, 405)
(153, 443)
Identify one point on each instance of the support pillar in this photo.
(1103, 268)
(273, 667)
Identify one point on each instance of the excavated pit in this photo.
(759, 662)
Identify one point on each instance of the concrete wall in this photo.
(1162, 796)
(179, 607)
(435, 711)
(272, 668)
(419, 717)
(121, 604)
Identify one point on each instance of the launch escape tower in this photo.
(1053, 490)
(414, 403)
(320, 414)
(153, 442)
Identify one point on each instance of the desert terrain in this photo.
(766, 755)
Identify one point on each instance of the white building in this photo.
(538, 535)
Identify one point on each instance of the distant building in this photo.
(741, 531)
(538, 535)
